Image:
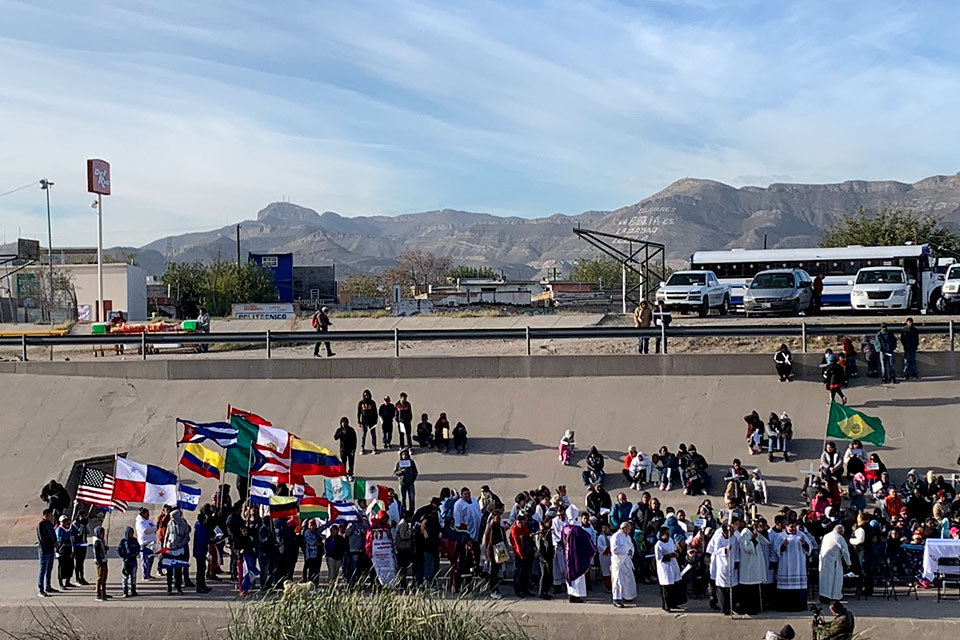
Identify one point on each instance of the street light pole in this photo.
(45, 186)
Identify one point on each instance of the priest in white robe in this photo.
(724, 551)
(621, 565)
(753, 569)
(834, 556)
(792, 570)
(673, 591)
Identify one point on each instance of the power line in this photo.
(26, 186)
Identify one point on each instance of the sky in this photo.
(208, 111)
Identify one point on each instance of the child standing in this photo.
(606, 559)
(100, 557)
(129, 551)
(567, 444)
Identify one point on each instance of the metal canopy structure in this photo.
(645, 259)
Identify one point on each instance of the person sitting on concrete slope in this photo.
(567, 444)
(424, 436)
(594, 473)
(627, 459)
(783, 360)
(460, 439)
(641, 470)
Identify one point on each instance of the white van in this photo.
(881, 288)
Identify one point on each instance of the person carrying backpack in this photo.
(321, 322)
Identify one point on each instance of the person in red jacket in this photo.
(523, 551)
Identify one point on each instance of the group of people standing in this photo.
(389, 416)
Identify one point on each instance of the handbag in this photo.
(500, 555)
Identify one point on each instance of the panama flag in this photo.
(136, 482)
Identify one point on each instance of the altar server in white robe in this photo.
(834, 556)
(673, 591)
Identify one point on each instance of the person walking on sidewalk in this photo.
(887, 346)
(367, 418)
(321, 322)
(834, 378)
(910, 340)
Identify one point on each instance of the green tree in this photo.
(362, 285)
(890, 227)
(218, 285)
(605, 271)
(464, 271)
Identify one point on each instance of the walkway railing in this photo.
(270, 339)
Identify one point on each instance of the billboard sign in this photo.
(98, 177)
(268, 311)
(28, 249)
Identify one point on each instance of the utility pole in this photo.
(45, 186)
(238, 244)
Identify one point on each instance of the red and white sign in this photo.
(98, 177)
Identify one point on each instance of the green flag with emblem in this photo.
(849, 424)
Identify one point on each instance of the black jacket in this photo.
(367, 412)
(46, 537)
(388, 413)
(595, 461)
(910, 339)
(347, 436)
(834, 374)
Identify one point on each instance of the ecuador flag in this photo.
(849, 424)
(201, 460)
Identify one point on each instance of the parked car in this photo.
(879, 288)
(697, 291)
(779, 291)
(951, 288)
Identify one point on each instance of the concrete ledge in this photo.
(942, 364)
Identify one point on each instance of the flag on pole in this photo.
(136, 482)
(283, 506)
(300, 488)
(238, 457)
(246, 572)
(96, 487)
(223, 433)
(344, 512)
(269, 464)
(314, 508)
(260, 491)
(203, 461)
(250, 417)
(338, 489)
(188, 498)
(369, 491)
(310, 459)
(849, 424)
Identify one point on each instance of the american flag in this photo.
(96, 487)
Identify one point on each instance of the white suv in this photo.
(879, 288)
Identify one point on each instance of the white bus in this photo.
(838, 265)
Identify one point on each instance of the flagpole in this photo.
(83, 472)
(106, 536)
(176, 438)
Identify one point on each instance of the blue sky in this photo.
(210, 110)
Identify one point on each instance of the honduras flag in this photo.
(187, 497)
(223, 433)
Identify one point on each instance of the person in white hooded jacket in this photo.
(641, 467)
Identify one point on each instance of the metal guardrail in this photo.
(276, 338)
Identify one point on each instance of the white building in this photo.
(124, 289)
(469, 291)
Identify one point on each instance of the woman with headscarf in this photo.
(175, 543)
(673, 591)
(579, 551)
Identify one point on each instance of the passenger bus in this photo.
(838, 265)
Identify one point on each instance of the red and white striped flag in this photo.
(96, 487)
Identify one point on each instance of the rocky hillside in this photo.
(689, 215)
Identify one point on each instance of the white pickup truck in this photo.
(697, 291)
(951, 288)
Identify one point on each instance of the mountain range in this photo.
(689, 215)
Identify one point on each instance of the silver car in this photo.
(779, 291)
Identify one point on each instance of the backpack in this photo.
(315, 322)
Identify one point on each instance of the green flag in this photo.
(849, 424)
(238, 457)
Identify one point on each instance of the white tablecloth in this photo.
(936, 548)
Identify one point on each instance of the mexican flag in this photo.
(363, 490)
(248, 433)
(845, 423)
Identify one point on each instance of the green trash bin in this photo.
(190, 325)
(100, 328)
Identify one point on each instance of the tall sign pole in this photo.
(98, 182)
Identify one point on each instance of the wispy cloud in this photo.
(210, 110)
